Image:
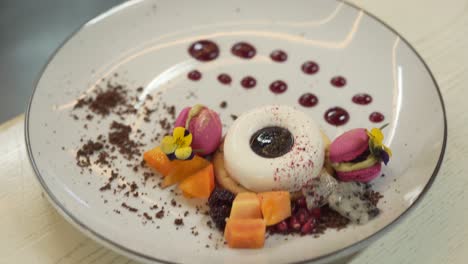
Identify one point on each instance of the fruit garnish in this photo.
(178, 146)
(275, 206)
(246, 206)
(220, 203)
(245, 233)
(182, 169)
(158, 160)
(200, 184)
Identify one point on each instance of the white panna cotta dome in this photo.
(290, 171)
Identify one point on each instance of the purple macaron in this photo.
(349, 147)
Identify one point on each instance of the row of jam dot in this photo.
(206, 50)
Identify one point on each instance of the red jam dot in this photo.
(279, 56)
(376, 117)
(310, 67)
(194, 75)
(248, 82)
(362, 99)
(278, 87)
(243, 50)
(224, 78)
(204, 50)
(308, 100)
(338, 81)
(336, 116)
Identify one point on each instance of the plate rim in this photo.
(95, 235)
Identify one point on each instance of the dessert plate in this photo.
(142, 46)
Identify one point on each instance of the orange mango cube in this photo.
(245, 233)
(200, 184)
(246, 205)
(158, 160)
(183, 169)
(275, 206)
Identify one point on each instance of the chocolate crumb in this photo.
(133, 187)
(129, 208)
(178, 221)
(85, 152)
(147, 216)
(160, 214)
(186, 213)
(234, 117)
(120, 137)
(223, 104)
(173, 203)
(105, 187)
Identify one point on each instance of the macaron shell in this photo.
(362, 175)
(349, 145)
(206, 129)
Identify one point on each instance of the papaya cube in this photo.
(245, 233)
(275, 206)
(183, 169)
(200, 184)
(246, 205)
(158, 160)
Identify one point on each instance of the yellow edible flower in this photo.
(178, 146)
(376, 145)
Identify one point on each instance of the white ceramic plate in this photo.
(144, 43)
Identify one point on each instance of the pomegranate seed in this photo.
(301, 202)
(315, 212)
(302, 215)
(308, 226)
(294, 223)
(282, 227)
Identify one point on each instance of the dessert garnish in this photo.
(204, 125)
(357, 154)
(272, 142)
(178, 146)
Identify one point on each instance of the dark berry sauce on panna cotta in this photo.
(272, 142)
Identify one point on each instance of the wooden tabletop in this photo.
(435, 232)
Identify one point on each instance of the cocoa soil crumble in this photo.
(120, 145)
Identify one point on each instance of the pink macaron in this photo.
(352, 146)
(205, 126)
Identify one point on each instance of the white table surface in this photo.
(31, 231)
